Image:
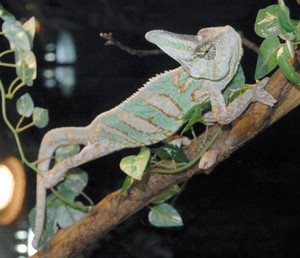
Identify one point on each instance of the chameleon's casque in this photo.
(208, 61)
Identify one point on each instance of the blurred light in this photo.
(50, 83)
(50, 57)
(65, 48)
(50, 47)
(31, 251)
(48, 73)
(7, 186)
(9, 212)
(21, 248)
(21, 235)
(66, 77)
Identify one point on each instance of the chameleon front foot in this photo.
(261, 95)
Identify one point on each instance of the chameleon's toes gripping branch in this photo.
(261, 95)
(208, 159)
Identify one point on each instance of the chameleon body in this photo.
(208, 61)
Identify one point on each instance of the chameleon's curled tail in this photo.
(51, 140)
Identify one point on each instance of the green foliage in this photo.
(59, 212)
(171, 151)
(267, 24)
(76, 180)
(267, 56)
(5, 15)
(66, 215)
(25, 105)
(126, 184)
(66, 151)
(285, 65)
(237, 82)
(135, 165)
(26, 67)
(271, 23)
(61, 208)
(235, 85)
(40, 117)
(194, 115)
(20, 38)
(164, 215)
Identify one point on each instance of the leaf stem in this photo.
(11, 94)
(88, 198)
(19, 130)
(192, 162)
(72, 204)
(19, 123)
(6, 52)
(8, 65)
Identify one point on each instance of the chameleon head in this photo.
(211, 54)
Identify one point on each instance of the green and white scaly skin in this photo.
(208, 63)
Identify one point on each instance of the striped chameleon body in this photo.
(208, 61)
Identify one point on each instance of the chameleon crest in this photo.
(208, 61)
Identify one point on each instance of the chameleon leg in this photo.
(88, 153)
(225, 115)
(50, 142)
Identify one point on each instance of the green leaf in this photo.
(16, 35)
(135, 165)
(26, 66)
(5, 15)
(76, 180)
(296, 25)
(267, 24)
(202, 106)
(194, 115)
(236, 84)
(66, 215)
(164, 215)
(267, 57)
(285, 65)
(49, 228)
(164, 196)
(126, 184)
(66, 151)
(25, 105)
(238, 81)
(29, 27)
(284, 19)
(40, 117)
(171, 151)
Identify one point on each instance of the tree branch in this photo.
(138, 52)
(115, 208)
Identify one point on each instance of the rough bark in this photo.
(115, 208)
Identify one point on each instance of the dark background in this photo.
(248, 207)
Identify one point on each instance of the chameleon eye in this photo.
(206, 51)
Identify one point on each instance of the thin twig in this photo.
(249, 44)
(137, 52)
